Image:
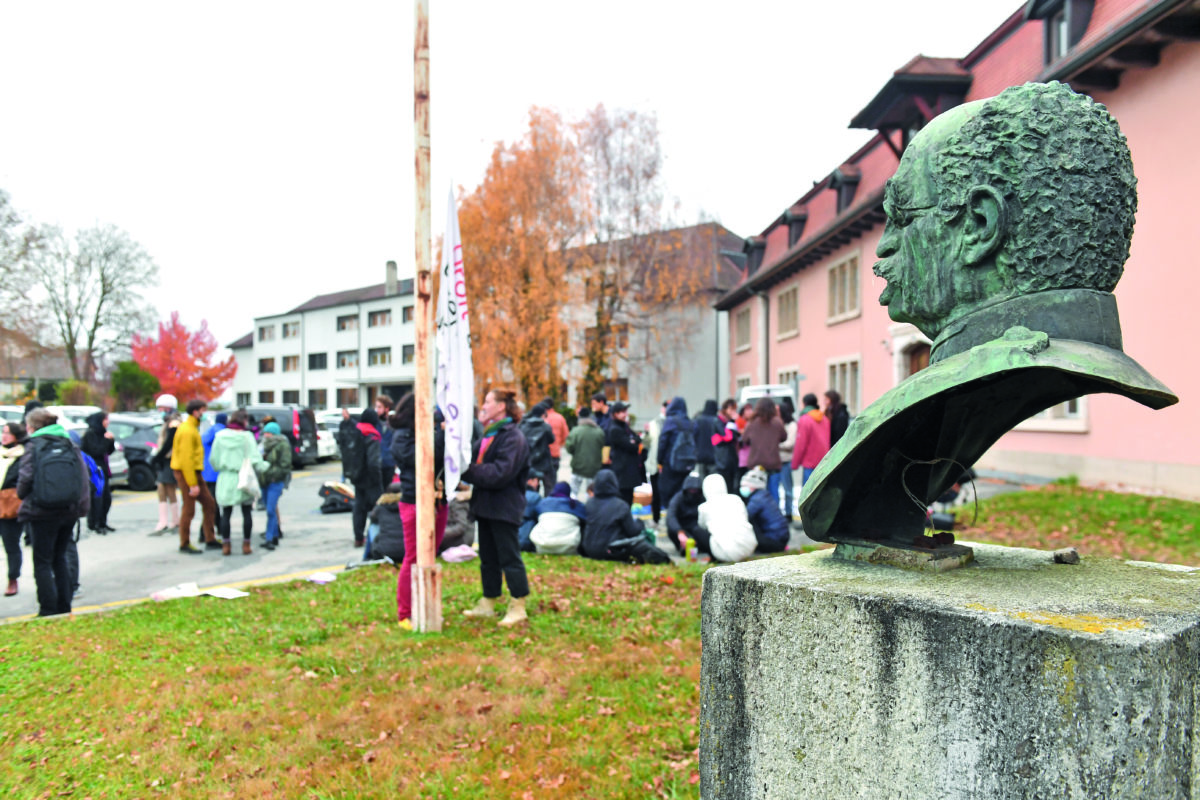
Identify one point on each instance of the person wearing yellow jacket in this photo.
(187, 462)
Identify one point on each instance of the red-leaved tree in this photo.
(182, 360)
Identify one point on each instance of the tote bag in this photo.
(247, 480)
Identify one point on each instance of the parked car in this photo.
(137, 436)
(74, 413)
(775, 391)
(298, 423)
(12, 413)
(327, 446)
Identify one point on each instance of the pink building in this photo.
(806, 311)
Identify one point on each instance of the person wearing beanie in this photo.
(683, 513)
(770, 528)
(275, 476)
(559, 527)
(206, 441)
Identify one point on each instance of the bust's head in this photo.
(1028, 191)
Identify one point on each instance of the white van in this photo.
(775, 391)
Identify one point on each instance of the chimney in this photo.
(390, 284)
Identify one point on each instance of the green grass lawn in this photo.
(302, 690)
(1097, 522)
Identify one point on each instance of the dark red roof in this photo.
(359, 295)
(245, 341)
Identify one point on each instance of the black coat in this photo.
(683, 512)
(706, 425)
(608, 519)
(404, 455)
(390, 539)
(498, 484)
(627, 463)
(25, 467)
(539, 435)
(839, 420)
(96, 444)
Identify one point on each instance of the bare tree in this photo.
(92, 287)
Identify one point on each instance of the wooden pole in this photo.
(427, 583)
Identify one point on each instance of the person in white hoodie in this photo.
(724, 531)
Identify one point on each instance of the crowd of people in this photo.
(723, 480)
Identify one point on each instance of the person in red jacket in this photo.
(558, 424)
(812, 437)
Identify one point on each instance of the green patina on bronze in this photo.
(1008, 226)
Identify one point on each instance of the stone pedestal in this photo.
(1014, 677)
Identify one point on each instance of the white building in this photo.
(335, 351)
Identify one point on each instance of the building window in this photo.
(379, 319)
(843, 290)
(741, 330)
(349, 322)
(347, 398)
(291, 364)
(1068, 417)
(291, 330)
(266, 397)
(406, 353)
(795, 218)
(379, 356)
(618, 389)
(347, 358)
(754, 247)
(618, 336)
(844, 379)
(266, 365)
(266, 333)
(791, 377)
(844, 181)
(787, 313)
(291, 396)
(741, 382)
(318, 360)
(316, 399)
(406, 314)
(243, 399)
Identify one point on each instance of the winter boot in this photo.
(226, 547)
(515, 614)
(163, 525)
(12, 588)
(246, 550)
(486, 607)
(173, 513)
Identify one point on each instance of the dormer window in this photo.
(844, 181)
(754, 248)
(1065, 22)
(794, 218)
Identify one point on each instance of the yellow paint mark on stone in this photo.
(1082, 623)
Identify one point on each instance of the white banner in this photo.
(455, 374)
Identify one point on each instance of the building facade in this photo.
(806, 310)
(337, 350)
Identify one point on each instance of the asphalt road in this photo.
(133, 563)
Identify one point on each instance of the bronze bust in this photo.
(1008, 226)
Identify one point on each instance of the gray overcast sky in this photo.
(262, 151)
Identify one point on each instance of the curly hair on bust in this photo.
(1065, 171)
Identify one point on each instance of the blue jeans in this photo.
(372, 530)
(271, 494)
(782, 478)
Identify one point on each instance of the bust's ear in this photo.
(986, 225)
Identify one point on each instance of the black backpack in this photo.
(57, 478)
(354, 453)
(682, 457)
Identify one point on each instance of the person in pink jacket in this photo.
(812, 437)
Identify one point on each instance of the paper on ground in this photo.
(322, 577)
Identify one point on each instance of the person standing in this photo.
(674, 460)
(276, 475)
(55, 491)
(232, 448)
(558, 424)
(625, 452)
(838, 414)
(12, 447)
(539, 436)
(387, 465)
(812, 438)
(653, 431)
(600, 410)
(187, 462)
(360, 460)
(726, 443)
(497, 476)
(99, 444)
(763, 437)
(206, 440)
(707, 424)
(585, 444)
(787, 415)
(168, 507)
(404, 454)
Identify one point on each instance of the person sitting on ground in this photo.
(683, 514)
(724, 529)
(770, 528)
(532, 499)
(387, 529)
(559, 528)
(608, 520)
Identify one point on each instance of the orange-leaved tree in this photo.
(516, 228)
(184, 361)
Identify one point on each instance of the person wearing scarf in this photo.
(12, 447)
(497, 477)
